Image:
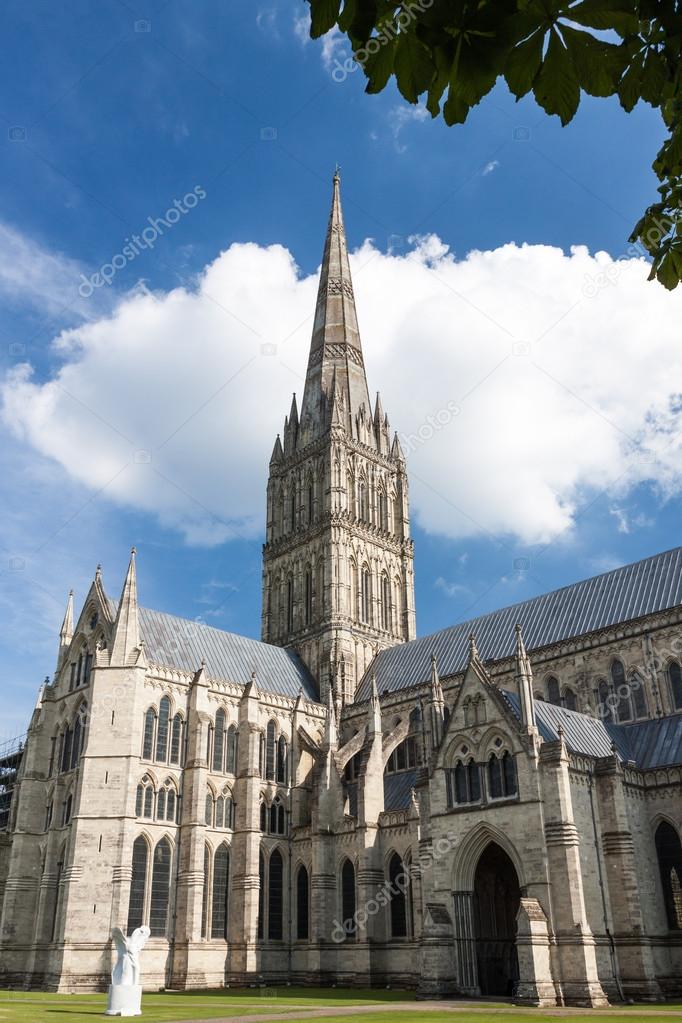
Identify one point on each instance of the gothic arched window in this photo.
(263, 817)
(311, 504)
(221, 874)
(270, 742)
(363, 504)
(208, 810)
(290, 604)
(319, 588)
(219, 740)
(621, 691)
(275, 896)
(669, 853)
(366, 596)
(144, 801)
(553, 693)
(292, 508)
(636, 684)
(138, 884)
(176, 740)
(282, 760)
(570, 699)
(166, 802)
(495, 777)
(675, 680)
(66, 749)
(261, 894)
(161, 871)
(348, 901)
(383, 512)
(232, 750)
(508, 774)
(149, 729)
(162, 730)
(302, 905)
(204, 894)
(398, 881)
(308, 596)
(77, 741)
(385, 603)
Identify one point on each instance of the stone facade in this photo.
(508, 827)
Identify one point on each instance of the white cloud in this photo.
(334, 47)
(33, 277)
(301, 26)
(402, 115)
(518, 396)
(451, 589)
(490, 167)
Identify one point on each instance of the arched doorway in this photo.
(496, 903)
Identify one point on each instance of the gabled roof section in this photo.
(181, 643)
(649, 744)
(622, 595)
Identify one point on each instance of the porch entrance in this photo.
(496, 903)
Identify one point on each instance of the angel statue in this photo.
(125, 993)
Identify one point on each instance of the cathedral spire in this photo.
(335, 344)
(126, 627)
(66, 631)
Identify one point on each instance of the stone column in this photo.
(535, 985)
(635, 959)
(575, 943)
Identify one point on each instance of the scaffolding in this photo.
(11, 752)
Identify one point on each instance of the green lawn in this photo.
(38, 1007)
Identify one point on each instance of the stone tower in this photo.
(338, 578)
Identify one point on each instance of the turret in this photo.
(126, 637)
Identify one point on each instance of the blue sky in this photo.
(109, 114)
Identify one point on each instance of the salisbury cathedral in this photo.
(494, 809)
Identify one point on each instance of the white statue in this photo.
(125, 993)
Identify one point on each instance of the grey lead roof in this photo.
(649, 744)
(182, 643)
(621, 595)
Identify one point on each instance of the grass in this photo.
(39, 1007)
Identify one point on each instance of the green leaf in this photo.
(455, 110)
(556, 87)
(379, 65)
(667, 273)
(413, 66)
(323, 16)
(598, 65)
(620, 15)
(630, 87)
(523, 64)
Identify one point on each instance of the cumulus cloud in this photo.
(523, 381)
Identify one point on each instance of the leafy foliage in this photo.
(453, 51)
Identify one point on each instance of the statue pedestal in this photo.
(125, 1000)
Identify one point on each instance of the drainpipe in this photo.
(600, 873)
